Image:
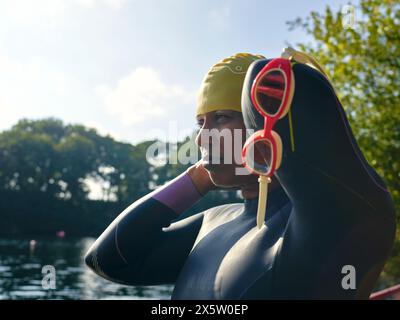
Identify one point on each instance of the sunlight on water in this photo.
(21, 273)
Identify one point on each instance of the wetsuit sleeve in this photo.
(141, 246)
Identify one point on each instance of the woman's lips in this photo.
(211, 167)
(209, 159)
(215, 164)
(212, 164)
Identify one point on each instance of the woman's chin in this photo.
(222, 177)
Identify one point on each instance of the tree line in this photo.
(47, 169)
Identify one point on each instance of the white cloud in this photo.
(29, 90)
(140, 103)
(25, 10)
(142, 95)
(102, 130)
(48, 13)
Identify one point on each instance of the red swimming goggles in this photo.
(271, 94)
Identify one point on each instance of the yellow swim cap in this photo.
(221, 88)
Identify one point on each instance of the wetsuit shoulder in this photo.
(217, 216)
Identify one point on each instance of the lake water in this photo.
(21, 273)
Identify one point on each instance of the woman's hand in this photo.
(200, 178)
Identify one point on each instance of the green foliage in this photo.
(48, 156)
(45, 167)
(364, 65)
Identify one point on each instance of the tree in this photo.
(363, 62)
(48, 156)
(45, 167)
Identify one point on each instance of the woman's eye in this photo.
(221, 117)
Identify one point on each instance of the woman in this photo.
(221, 253)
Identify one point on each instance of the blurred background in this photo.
(87, 85)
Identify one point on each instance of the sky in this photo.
(130, 68)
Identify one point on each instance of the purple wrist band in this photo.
(179, 194)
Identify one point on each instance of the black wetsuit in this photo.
(333, 211)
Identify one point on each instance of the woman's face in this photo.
(222, 157)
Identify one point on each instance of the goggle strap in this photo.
(304, 58)
(309, 60)
(291, 129)
(262, 199)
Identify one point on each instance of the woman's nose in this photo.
(198, 139)
(201, 139)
